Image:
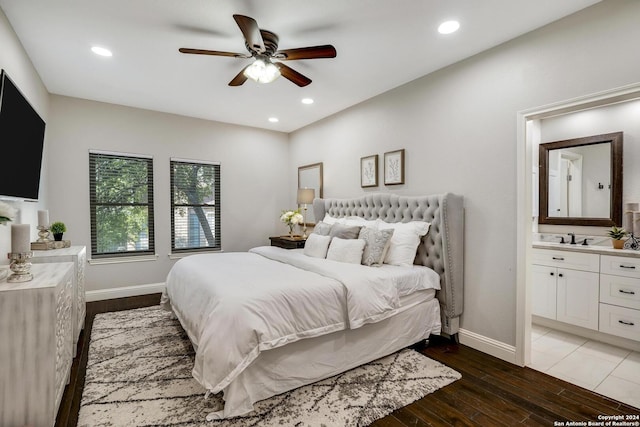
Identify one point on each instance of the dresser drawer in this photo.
(620, 321)
(620, 266)
(566, 259)
(618, 290)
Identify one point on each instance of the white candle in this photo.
(43, 219)
(20, 237)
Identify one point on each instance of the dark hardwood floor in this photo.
(491, 392)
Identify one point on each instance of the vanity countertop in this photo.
(594, 249)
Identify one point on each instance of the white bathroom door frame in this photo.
(524, 168)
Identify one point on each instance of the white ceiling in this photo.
(381, 44)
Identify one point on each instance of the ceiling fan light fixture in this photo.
(262, 71)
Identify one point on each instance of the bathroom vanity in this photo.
(594, 287)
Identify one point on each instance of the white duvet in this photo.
(235, 305)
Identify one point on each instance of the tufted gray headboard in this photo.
(442, 249)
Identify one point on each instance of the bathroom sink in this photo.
(554, 239)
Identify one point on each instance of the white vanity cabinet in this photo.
(36, 336)
(566, 287)
(620, 296)
(78, 256)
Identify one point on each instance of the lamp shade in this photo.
(306, 196)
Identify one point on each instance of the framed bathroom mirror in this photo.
(581, 181)
(310, 176)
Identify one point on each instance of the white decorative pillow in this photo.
(377, 245)
(316, 245)
(405, 240)
(346, 250)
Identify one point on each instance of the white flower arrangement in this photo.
(7, 213)
(291, 218)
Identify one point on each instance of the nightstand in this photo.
(287, 242)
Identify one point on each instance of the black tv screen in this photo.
(21, 143)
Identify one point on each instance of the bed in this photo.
(269, 320)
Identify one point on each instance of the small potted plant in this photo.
(57, 229)
(617, 235)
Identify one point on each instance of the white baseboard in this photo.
(488, 345)
(126, 291)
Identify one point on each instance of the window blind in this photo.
(121, 204)
(195, 206)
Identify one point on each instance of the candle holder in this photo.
(20, 266)
(43, 233)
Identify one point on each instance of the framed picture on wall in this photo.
(394, 167)
(369, 171)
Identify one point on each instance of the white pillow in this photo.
(346, 250)
(316, 245)
(357, 220)
(328, 219)
(404, 241)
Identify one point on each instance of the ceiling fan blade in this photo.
(292, 75)
(324, 51)
(239, 79)
(213, 52)
(251, 32)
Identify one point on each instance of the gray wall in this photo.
(18, 66)
(458, 127)
(253, 175)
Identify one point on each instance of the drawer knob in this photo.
(623, 291)
(626, 323)
(560, 275)
(557, 258)
(627, 266)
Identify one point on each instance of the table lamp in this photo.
(305, 197)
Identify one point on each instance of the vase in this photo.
(617, 244)
(291, 230)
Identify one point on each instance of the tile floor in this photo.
(602, 368)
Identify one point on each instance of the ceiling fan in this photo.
(263, 46)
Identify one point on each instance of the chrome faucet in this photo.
(573, 238)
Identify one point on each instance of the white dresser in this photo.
(78, 256)
(36, 339)
(597, 289)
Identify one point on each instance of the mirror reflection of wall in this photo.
(580, 181)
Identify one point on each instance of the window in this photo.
(195, 205)
(121, 203)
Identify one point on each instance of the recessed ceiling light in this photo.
(448, 27)
(307, 101)
(273, 119)
(101, 51)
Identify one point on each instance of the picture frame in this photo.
(369, 171)
(394, 167)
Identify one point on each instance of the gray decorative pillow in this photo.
(345, 231)
(322, 228)
(378, 242)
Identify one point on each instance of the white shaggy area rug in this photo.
(139, 374)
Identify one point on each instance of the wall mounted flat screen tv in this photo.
(21, 143)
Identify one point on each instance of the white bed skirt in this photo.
(309, 360)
